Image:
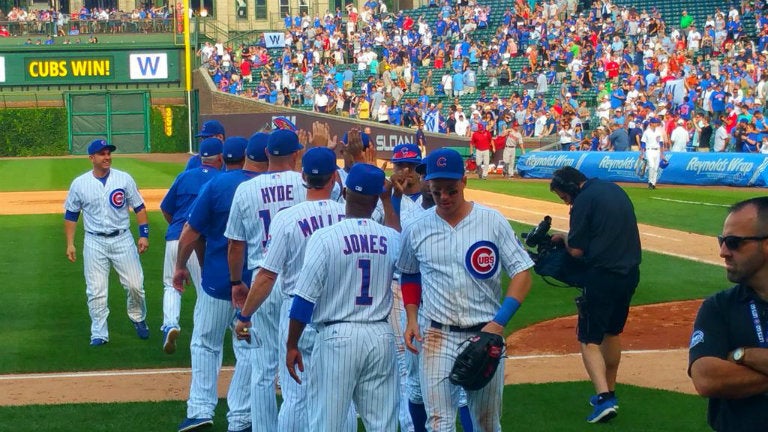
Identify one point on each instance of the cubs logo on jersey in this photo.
(482, 259)
(117, 198)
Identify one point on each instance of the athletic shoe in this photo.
(593, 401)
(142, 331)
(98, 342)
(190, 424)
(169, 339)
(603, 411)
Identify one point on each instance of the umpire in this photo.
(603, 233)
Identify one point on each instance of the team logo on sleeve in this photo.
(117, 198)
(696, 338)
(482, 259)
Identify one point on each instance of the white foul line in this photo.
(691, 202)
(102, 374)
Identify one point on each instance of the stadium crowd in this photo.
(616, 68)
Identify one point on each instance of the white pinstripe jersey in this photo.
(104, 205)
(410, 210)
(348, 271)
(255, 203)
(459, 266)
(288, 236)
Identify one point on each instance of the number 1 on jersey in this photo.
(364, 299)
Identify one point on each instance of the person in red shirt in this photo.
(245, 70)
(481, 143)
(408, 23)
(612, 68)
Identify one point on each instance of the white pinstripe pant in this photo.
(264, 362)
(171, 297)
(120, 252)
(354, 362)
(212, 317)
(398, 319)
(293, 411)
(438, 353)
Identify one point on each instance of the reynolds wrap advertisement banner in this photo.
(702, 169)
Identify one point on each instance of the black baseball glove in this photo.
(475, 366)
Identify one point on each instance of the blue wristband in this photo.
(241, 317)
(509, 306)
(144, 230)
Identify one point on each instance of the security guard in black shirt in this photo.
(728, 355)
(603, 233)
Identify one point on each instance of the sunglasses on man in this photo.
(734, 242)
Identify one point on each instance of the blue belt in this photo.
(453, 328)
(109, 234)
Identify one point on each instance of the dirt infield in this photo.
(656, 335)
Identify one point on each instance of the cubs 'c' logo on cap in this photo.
(406, 154)
(441, 161)
(482, 259)
(117, 198)
(284, 123)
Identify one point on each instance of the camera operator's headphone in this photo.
(569, 187)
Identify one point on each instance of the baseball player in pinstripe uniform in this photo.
(255, 203)
(289, 232)
(105, 195)
(214, 312)
(344, 290)
(175, 207)
(458, 248)
(411, 210)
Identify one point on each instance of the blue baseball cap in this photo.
(98, 145)
(211, 147)
(257, 147)
(408, 153)
(365, 179)
(444, 163)
(319, 161)
(234, 148)
(363, 136)
(655, 120)
(211, 128)
(283, 142)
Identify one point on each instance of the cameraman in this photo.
(603, 233)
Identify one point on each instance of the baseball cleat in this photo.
(98, 342)
(603, 412)
(142, 331)
(169, 339)
(190, 424)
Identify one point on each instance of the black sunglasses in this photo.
(734, 242)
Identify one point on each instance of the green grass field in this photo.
(46, 324)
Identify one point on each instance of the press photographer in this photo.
(603, 234)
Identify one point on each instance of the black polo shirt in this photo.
(724, 323)
(604, 226)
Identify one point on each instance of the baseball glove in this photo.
(477, 363)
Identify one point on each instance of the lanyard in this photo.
(758, 325)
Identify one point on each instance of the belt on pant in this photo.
(453, 328)
(330, 323)
(109, 234)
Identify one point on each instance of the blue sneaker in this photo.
(593, 401)
(142, 331)
(603, 411)
(194, 424)
(169, 339)
(98, 342)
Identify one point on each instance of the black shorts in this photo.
(604, 307)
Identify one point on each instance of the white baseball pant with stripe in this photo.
(171, 297)
(120, 252)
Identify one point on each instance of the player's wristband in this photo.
(243, 318)
(235, 283)
(144, 230)
(509, 306)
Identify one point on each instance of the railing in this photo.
(86, 27)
